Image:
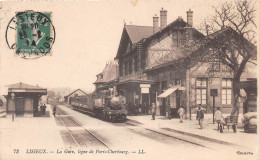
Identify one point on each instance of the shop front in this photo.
(137, 95)
(171, 100)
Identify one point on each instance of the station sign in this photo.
(144, 90)
(213, 92)
(145, 85)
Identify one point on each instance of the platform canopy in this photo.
(170, 91)
(25, 88)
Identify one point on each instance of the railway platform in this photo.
(2, 111)
(29, 134)
(190, 128)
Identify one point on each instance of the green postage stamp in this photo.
(34, 34)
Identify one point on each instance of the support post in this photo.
(187, 92)
(190, 112)
(213, 109)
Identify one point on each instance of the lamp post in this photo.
(12, 97)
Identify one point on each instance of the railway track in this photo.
(156, 135)
(147, 132)
(60, 114)
(204, 143)
(163, 137)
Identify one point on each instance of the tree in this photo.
(231, 38)
(51, 94)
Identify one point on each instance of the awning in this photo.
(168, 92)
(182, 88)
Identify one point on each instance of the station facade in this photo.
(153, 70)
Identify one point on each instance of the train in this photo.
(111, 109)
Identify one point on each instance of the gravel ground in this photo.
(68, 121)
(67, 139)
(86, 139)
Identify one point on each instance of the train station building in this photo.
(153, 68)
(77, 92)
(23, 99)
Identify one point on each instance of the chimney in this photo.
(163, 16)
(190, 17)
(155, 24)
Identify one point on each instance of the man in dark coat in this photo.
(41, 109)
(153, 111)
(54, 110)
(200, 115)
(44, 109)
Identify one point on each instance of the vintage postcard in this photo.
(129, 80)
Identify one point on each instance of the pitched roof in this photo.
(137, 33)
(173, 23)
(23, 86)
(109, 73)
(75, 91)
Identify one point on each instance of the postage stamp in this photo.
(31, 34)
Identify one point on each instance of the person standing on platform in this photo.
(43, 108)
(181, 113)
(153, 111)
(200, 115)
(54, 110)
(218, 117)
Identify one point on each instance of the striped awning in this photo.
(170, 91)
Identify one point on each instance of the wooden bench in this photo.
(229, 121)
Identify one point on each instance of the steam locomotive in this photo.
(109, 109)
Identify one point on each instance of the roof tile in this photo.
(23, 86)
(109, 73)
(137, 33)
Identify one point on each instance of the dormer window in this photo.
(100, 76)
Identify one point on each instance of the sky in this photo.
(87, 37)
